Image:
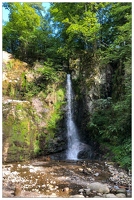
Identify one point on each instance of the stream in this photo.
(44, 177)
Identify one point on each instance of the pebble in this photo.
(81, 190)
(43, 186)
(80, 169)
(121, 174)
(96, 174)
(89, 169)
(19, 165)
(116, 187)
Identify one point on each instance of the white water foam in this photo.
(72, 131)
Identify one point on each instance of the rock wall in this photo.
(19, 130)
(92, 83)
(32, 113)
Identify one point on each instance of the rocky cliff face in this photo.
(91, 84)
(31, 123)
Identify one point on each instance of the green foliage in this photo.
(119, 45)
(52, 122)
(57, 114)
(36, 147)
(32, 90)
(48, 73)
(12, 90)
(23, 80)
(19, 31)
(9, 65)
(122, 153)
(28, 34)
(111, 125)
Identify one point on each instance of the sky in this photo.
(5, 12)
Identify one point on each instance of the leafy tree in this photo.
(19, 31)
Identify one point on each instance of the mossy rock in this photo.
(19, 131)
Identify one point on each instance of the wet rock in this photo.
(85, 151)
(120, 195)
(99, 187)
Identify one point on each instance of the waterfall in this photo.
(72, 131)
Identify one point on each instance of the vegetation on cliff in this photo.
(94, 41)
(32, 110)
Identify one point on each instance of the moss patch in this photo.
(19, 131)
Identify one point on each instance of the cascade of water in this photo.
(72, 131)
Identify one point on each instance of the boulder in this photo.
(85, 151)
(99, 187)
(120, 195)
(110, 195)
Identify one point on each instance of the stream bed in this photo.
(58, 178)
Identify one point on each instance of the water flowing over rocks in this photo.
(73, 179)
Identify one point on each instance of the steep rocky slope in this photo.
(30, 112)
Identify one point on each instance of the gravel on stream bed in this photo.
(70, 179)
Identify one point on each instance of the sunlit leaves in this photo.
(23, 21)
(88, 27)
(24, 17)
